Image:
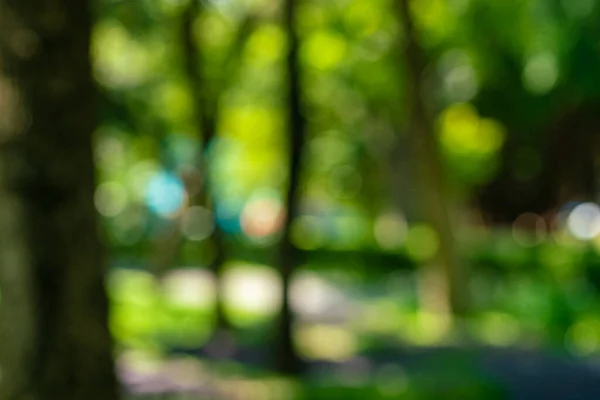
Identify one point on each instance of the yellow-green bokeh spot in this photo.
(463, 132)
(583, 337)
(137, 288)
(129, 324)
(491, 136)
(121, 60)
(174, 101)
(266, 45)
(434, 17)
(252, 124)
(422, 242)
(214, 30)
(498, 329)
(327, 342)
(470, 144)
(364, 17)
(324, 50)
(425, 329)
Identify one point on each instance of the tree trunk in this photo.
(287, 360)
(574, 146)
(448, 284)
(205, 107)
(54, 337)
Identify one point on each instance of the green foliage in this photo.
(142, 317)
(499, 73)
(453, 382)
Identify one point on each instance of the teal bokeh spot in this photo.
(165, 194)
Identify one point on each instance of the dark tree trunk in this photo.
(54, 337)
(287, 359)
(567, 149)
(506, 197)
(205, 107)
(575, 154)
(205, 99)
(449, 284)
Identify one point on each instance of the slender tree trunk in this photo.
(287, 359)
(446, 275)
(206, 111)
(205, 107)
(54, 337)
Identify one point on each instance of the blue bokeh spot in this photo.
(165, 193)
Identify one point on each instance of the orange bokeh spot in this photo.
(262, 217)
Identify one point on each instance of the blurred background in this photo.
(417, 180)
